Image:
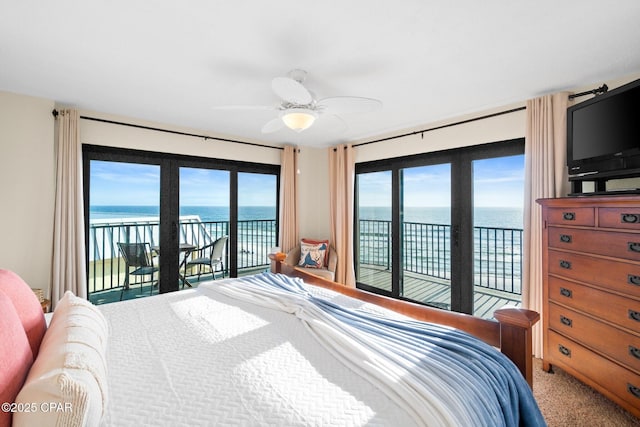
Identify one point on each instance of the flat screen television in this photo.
(603, 133)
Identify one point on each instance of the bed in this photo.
(278, 348)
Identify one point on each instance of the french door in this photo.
(426, 232)
(174, 205)
(417, 235)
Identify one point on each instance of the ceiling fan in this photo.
(299, 109)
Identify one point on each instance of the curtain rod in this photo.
(513, 110)
(175, 132)
(597, 91)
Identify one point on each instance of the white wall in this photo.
(114, 135)
(499, 128)
(494, 129)
(27, 183)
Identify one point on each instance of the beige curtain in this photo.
(545, 176)
(288, 229)
(341, 183)
(68, 269)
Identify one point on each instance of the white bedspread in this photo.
(198, 357)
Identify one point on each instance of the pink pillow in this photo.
(15, 355)
(26, 305)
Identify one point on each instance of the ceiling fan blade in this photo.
(273, 125)
(348, 104)
(291, 91)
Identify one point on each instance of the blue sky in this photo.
(114, 183)
(498, 182)
(129, 184)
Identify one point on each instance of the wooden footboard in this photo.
(511, 333)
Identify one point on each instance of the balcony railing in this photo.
(497, 251)
(107, 268)
(426, 250)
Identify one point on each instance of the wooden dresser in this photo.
(591, 319)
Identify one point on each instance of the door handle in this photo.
(456, 235)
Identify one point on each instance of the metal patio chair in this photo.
(213, 260)
(138, 257)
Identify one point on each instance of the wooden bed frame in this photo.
(511, 333)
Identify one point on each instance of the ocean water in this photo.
(497, 242)
(483, 216)
(497, 248)
(206, 213)
(498, 217)
(254, 238)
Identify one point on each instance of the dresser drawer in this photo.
(625, 218)
(614, 378)
(616, 309)
(571, 216)
(619, 245)
(615, 275)
(613, 342)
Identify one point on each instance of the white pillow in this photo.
(67, 384)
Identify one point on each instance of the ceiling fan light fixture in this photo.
(299, 119)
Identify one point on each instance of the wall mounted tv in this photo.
(603, 133)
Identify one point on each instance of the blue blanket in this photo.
(442, 375)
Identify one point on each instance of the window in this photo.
(444, 228)
(173, 205)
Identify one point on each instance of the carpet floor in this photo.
(565, 401)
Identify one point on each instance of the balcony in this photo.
(427, 263)
(106, 268)
(426, 260)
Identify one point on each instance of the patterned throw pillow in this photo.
(313, 255)
(318, 242)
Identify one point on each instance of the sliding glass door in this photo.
(425, 225)
(175, 207)
(451, 238)
(204, 219)
(256, 225)
(373, 229)
(498, 202)
(124, 230)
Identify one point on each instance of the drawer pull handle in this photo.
(565, 264)
(629, 218)
(565, 238)
(634, 351)
(569, 216)
(632, 279)
(633, 390)
(634, 246)
(564, 350)
(634, 315)
(566, 321)
(566, 292)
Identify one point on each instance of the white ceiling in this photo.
(174, 62)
